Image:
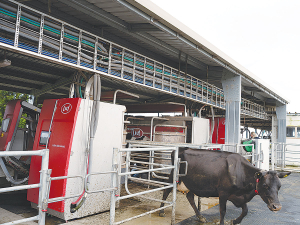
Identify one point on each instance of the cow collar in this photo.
(256, 191)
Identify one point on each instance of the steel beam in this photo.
(32, 72)
(119, 24)
(49, 87)
(232, 94)
(281, 120)
(143, 27)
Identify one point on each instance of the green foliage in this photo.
(22, 123)
(5, 97)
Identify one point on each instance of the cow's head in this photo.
(268, 185)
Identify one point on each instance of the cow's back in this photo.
(211, 171)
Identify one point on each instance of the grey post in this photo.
(114, 182)
(175, 178)
(281, 130)
(232, 93)
(44, 173)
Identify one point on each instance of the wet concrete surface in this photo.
(135, 206)
(259, 214)
(16, 202)
(289, 196)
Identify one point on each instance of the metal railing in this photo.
(58, 199)
(44, 175)
(39, 35)
(148, 167)
(256, 156)
(285, 156)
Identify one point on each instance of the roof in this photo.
(140, 26)
(216, 54)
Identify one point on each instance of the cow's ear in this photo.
(258, 175)
(283, 174)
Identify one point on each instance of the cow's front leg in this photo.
(190, 197)
(244, 213)
(222, 203)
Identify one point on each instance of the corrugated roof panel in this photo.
(116, 26)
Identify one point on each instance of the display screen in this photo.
(44, 137)
(5, 124)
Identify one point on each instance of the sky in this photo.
(261, 35)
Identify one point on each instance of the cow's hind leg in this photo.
(165, 195)
(244, 213)
(222, 205)
(190, 197)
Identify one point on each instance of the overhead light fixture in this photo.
(5, 62)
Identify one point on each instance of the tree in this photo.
(6, 96)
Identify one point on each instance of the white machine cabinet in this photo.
(263, 146)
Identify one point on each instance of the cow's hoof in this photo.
(202, 219)
(162, 214)
(226, 222)
(234, 222)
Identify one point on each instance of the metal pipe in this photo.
(150, 163)
(44, 175)
(162, 125)
(21, 153)
(175, 179)
(151, 125)
(114, 183)
(201, 111)
(143, 214)
(151, 182)
(58, 199)
(144, 192)
(19, 188)
(22, 220)
(148, 170)
(146, 149)
(96, 81)
(125, 92)
(212, 125)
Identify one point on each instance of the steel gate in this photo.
(285, 156)
(141, 160)
(45, 174)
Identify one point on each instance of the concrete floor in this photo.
(132, 207)
(14, 206)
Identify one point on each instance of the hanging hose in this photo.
(93, 127)
(199, 115)
(212, 124)
(8, 176)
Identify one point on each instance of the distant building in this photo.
(292, 153)
(293, 126)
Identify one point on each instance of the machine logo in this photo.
(136, 132)
(66, 108)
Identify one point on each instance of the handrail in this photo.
(42, 185)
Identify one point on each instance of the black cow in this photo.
(228, 176)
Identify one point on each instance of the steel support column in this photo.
(274, 129)
(232, 93)
(281, 118)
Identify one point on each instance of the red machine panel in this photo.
(219, 131)
(12, 113)
(60, 143)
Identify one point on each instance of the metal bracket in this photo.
(186, 168)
